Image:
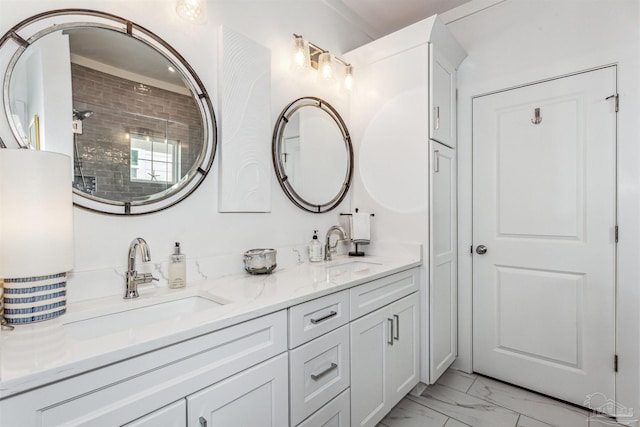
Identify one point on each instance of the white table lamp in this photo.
(36, 233)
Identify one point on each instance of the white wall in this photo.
(101, 241)
(522, 41)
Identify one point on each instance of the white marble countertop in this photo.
(41, 353)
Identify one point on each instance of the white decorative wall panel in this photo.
(245, 124)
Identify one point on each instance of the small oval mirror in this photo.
(121, 102)
(312, 155)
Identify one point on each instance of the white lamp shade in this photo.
(36, 213)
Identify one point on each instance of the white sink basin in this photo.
(350, 267)
(130, 318)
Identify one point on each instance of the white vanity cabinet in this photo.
(354, 354)
(384, 347)
(140, 388)
(342, 359)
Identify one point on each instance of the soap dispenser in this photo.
(177, 268)
(315, 248)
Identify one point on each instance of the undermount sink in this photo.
(350, 267)
(130, 317)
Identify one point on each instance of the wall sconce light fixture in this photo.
(325, 67)
(307, 55)
(36, 231)
(348, 77)
(300, 59)
(194, 11)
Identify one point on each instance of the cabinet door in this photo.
(174, 415)
(256, 397)
(442, 96)
(404, 365)
(370, 337)
(443, 289)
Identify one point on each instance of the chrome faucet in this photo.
(133, 278)
(327, 247)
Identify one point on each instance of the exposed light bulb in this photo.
(194, 11)
(325, 66)
(348, 77)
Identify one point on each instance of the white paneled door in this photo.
(544, 233)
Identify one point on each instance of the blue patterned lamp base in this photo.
(34, 299)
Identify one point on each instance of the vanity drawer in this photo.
(378, 293)
(134, 387)
(319, 371)
(173, 415)
(317, 317)
(335, 413)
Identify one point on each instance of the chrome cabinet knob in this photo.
(481, 249)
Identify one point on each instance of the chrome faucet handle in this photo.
(140, 279)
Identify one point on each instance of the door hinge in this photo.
(616, 232)
(617, 99)
(615, 363)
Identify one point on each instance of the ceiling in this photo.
(378, 18)
(142, 63)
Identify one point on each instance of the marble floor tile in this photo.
(411, 414)
(602, 421)
(465, 408)
(533, 405)
(451, 422)
(463, 400)
(525, 421)
(457, 380)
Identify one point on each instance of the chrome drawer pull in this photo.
(203, 422)
(397, 336)
(316, 377)
(323, 318)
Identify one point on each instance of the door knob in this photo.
(481, 249)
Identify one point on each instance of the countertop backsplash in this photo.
(98, 283)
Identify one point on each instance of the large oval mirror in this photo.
(121, 102)
(312, 155)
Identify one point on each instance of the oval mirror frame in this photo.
(278, 151)
(15, 42)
